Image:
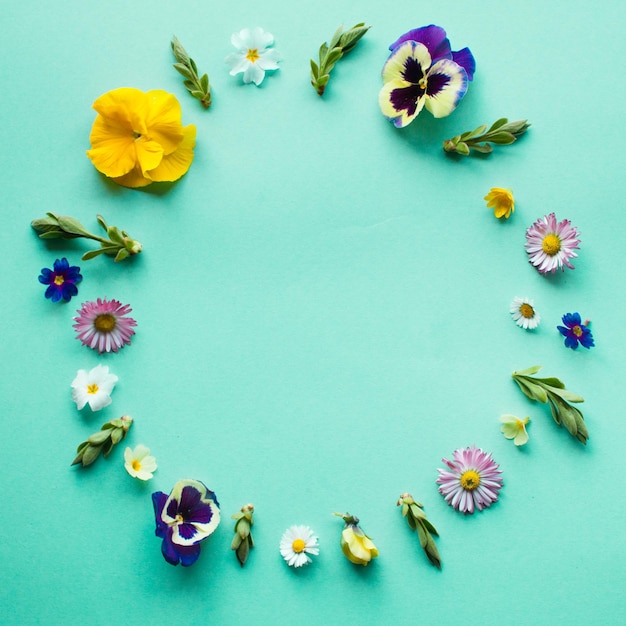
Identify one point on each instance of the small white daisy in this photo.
(138, 463)
(94, 387)
(524, 313)
(296, 544)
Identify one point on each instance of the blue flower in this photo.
(575, 332)
(423, 71)
(185, 518)
(61, 280)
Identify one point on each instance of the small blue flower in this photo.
(61, 280)
(183, 519)
(575, 332)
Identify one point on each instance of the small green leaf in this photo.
(484, 148)
(90, 454)
(92, 254)
(422, 533)
(98, 438)
(501, 138)
(527, 372)
(497, 124)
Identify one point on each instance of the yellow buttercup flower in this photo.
(138, 137)
(501, 201)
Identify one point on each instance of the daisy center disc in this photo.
(551, 244)
(298, 545)
(105, 322)
(253, 55)
(527, 311)
(470, 480)
(59, 280)
(93, 389)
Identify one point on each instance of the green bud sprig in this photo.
(330, 53)
(552, 391)
(242, 541)
(119, 243)
(416, 518)
(502, 132)
(103, 440)
(197, 86)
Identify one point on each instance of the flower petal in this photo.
(466, 60)
(409, 63)
(401, 102)
(447, 84)
(163, 120)
(433, 37)
(176, 164)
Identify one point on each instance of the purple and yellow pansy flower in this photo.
(185, 518)
(423, 71)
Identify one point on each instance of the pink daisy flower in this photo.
(474, 480)
(550, 245)
(103, 325)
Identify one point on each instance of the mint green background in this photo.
(322, 308)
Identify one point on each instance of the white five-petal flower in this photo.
(139, 463)
(93, 387)
(296, 544)
(254, 55)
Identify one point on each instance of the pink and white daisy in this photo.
(474, 480)
(550, 246)
(103, 325)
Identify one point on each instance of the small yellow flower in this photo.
(501, 201)
(515, 428)
(138, 137)
(355, 544)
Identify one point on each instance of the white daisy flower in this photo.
(93, 387)
(254, 55)
(296, 544)
(139, 463)
(524, 313)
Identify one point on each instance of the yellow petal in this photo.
(149, 155)
(113, 148)
(359, 554)
(124, 107)
(164, 120)
(174, 165)
(134, 179)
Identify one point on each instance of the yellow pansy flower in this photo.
(501, 201)
(355, 544)
(138, 137)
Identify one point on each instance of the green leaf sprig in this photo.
(502, 132)
(330, 53)
(416, 518)
(242, 541)
(103, 440)
(197, 86)
(119, 243)
(552, 391)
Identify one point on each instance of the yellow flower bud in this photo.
(357, 546)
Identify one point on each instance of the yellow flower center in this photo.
(136, 465)
(253, 55)
(520, 424)
(551, 244)
(470, 480)
(179, 519)
(92, 389)
(59, 280)
(423, 83)
(577, 330)
(527, 311)
(104, 323)
(298, 545)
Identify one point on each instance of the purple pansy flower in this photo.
(61, 280)
(423, 71)
(575, 332)
(185, 518)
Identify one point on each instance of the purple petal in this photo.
(192, 508)
(158, 502)
(188, 554)
(53, 292)
(187, 531)
(466, 60)
(61, 265)
(406, 99)
(46, 276)
(172, 508)
(433, 37)
(174, 554)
